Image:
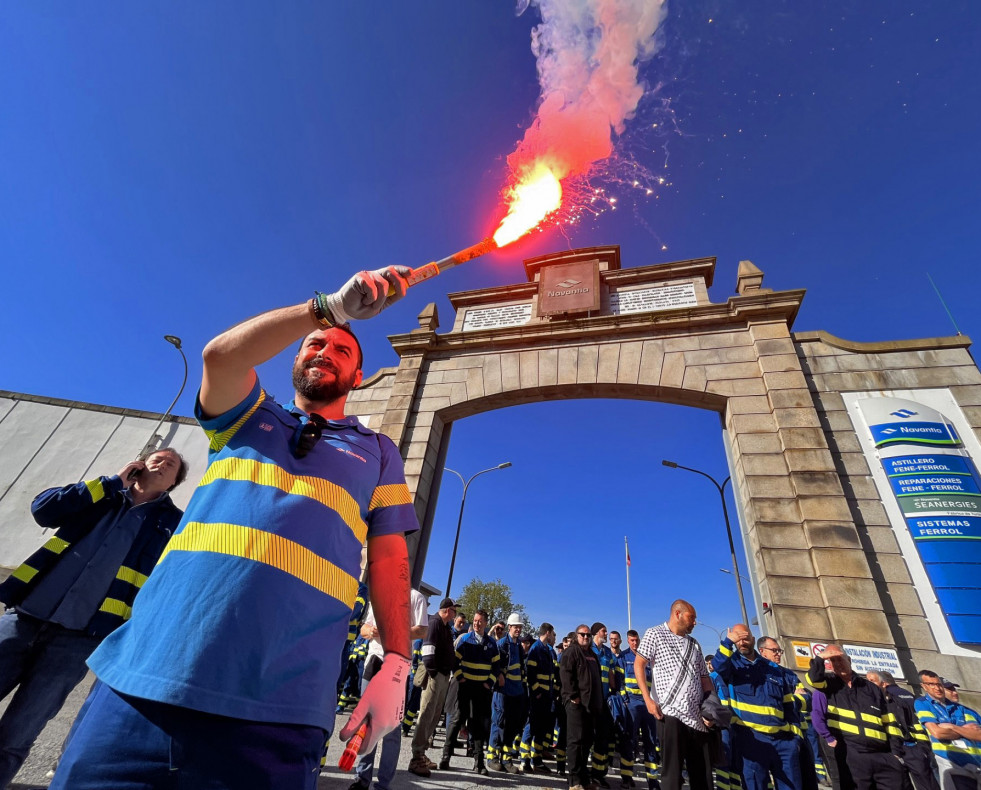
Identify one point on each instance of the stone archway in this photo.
(582, 327)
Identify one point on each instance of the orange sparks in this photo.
(531, 199)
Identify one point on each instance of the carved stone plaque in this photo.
(496, 317)
(662, 297)
(569, 288)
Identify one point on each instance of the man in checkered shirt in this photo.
(680, 682)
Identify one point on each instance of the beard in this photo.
(325, 388)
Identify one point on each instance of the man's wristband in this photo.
(320, 312)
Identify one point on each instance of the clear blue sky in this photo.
(173, 167)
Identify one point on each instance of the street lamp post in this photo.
(726, 570)
(725, 514)
(459, 521)
(151, 443)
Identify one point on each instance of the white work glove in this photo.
(382, 703)
(368, 293)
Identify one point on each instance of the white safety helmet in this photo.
(515, 619)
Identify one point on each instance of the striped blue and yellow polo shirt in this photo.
(247, 610)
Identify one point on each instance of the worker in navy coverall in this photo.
(764, 730)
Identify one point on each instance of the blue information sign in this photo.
(920, 464)
(934, 484)
(938, 490)
(948, 539)
(945, 528)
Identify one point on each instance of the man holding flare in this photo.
(225, 676)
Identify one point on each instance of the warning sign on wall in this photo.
(872, 659)
(802, 654)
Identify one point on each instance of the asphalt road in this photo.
(460, 777)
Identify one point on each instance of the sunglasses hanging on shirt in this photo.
(306, 436)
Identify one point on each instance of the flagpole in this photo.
(627, 552)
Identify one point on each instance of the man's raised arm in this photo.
(231, 358)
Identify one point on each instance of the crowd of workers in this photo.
(214, 635)
(656, 711)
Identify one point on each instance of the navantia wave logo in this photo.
(568, 287)
(890, 423)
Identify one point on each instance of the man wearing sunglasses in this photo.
(582, 698)
(225, 676)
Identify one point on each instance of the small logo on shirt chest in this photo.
(353, 455)
(265, 426)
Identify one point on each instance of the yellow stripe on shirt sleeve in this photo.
(389, 495)
(218, 439)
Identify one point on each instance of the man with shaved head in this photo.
(680, 681)
(764, 718)
(868, 743)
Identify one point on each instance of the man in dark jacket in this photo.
(582, 698)
(77, 588)
(867, 739)
(439, 659)
(919, 766)
(540, 671)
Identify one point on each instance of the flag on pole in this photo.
(626, 550)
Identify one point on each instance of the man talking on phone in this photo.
(77, 588)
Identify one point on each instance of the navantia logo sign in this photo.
(910, 424)
(569, 288)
